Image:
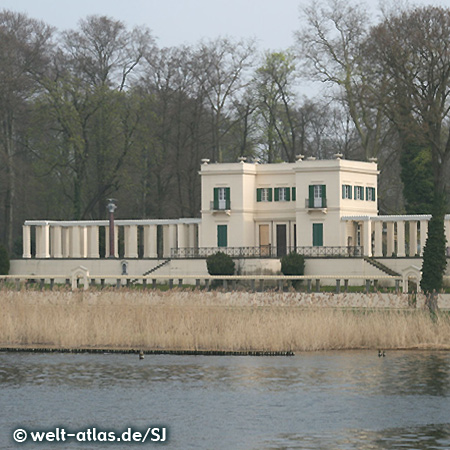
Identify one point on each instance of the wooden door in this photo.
(264, 240)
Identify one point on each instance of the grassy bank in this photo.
(207, 321)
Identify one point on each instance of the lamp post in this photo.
(111, 207)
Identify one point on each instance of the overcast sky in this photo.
(174, 22)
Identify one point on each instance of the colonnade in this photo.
(395, 236)
(81, 239)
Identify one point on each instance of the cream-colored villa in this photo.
(324, 209)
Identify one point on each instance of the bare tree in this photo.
(87, 96)
(410, 49)
(331, 43)
(275, 81)
(219, 66)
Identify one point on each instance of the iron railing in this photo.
(220, 207)
(269, 252)
(315, 203)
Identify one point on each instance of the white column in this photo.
(83, 242)
(150, 241)
(390, 239)
(401, 238)
(93, 242)
(56, 240)
(378, 238)
(169, 239)
(182, 235)
(42, 241)
(65, 242)
(423, 234)
(116, 241)
(199, 231)
(447, 231)
(412, 238)
(166, 242)
(26, 241)
(75, 247)
(367, 237)
(131, 241)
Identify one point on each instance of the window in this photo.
(282, 194)
(370, 194)
(294, 194)
(264, 194)
(317, 196)
(221, 198)
(359, 193)
(346, 191)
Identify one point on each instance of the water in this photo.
(333, 400)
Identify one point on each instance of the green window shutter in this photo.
(294, 194)
(311, 196)
(362, 193)
(258, 194)
(324, 196)
(373, 195)
(227, 198)
(270, 194)
(356, 190)
(222, 238)
(350, 192)
(317, 234)
(277, 194)
(343, 191)
(216, 198)
(367, 193)
(288, 194)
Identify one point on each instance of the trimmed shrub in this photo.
(220, 264)
(4, 261)
(293, 264)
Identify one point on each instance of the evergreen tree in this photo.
(434, 253)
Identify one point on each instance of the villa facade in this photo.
(277, 207)
(324, 209)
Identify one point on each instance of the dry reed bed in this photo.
(198, 320)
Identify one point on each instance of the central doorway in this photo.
(281, 240)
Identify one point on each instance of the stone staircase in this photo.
(154, 269)
(167, 261)
(381, 266)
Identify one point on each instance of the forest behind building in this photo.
(102, 111)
